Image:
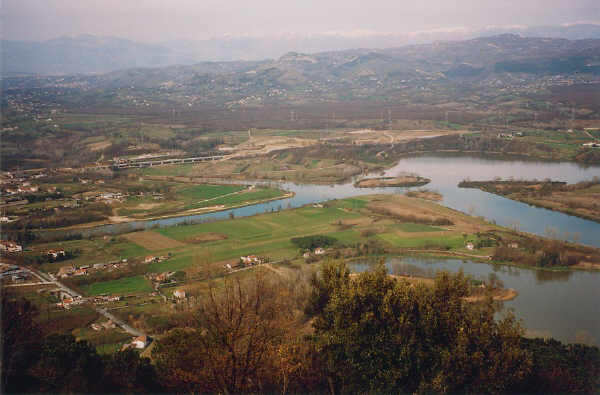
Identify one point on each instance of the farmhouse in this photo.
(470, 246)
(140, 342)
(149, 259)
(319, 251)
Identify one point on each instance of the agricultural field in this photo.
(120, 286)
(184, 198)
(352, 222)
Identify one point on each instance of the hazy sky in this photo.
(161, 20)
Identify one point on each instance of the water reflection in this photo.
(544, 276)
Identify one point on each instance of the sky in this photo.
(164, 20)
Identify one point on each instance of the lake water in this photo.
(445, 173)
(560, 304)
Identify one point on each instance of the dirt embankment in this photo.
(426, 194)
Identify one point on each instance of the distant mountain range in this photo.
(91, 54)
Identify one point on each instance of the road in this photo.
(46, 278)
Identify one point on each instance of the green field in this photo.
(239, 198)
(208, 191)
(350, 221)
(121, 286)
(414, 228)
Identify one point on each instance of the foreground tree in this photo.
(379, 334)
(237, 331)
(20, 342)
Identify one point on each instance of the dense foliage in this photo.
(315, 241)
(334, 332)
(59, 363)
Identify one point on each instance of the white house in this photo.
(140, 342)
(319, 251)
(470, 246)
(179, 294)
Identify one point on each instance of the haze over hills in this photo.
(91, 54)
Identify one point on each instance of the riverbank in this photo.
(400, 181)
(580, 199)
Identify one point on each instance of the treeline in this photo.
(332, 332)
(47, 258)
(536, 251)
(527, 187)
(314, 241)
(478, 143)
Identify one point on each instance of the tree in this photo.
(21, 338)
(68, 365)
(126, 371)
(236, 332)
(378, 334)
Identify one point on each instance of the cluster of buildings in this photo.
(102, 299)
(250, 260)
(317, 251)
(160, 278)
(70, 270)
(56, 253)
(10, 246)
(67, 301)
(14, 183)
(593, 144)
(509, 136)
(152, 258)
(13, 274)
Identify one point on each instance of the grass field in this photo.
(350, 221)
(121, 286)
(152, 241)
(184, 197)
(208, 191)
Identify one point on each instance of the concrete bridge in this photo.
(150, 163)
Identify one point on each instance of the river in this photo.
(445, 172)
(559, 304)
